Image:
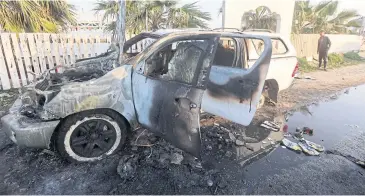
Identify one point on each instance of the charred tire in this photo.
(87, 137)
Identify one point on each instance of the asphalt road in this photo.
(338, 125)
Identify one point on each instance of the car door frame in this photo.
(173, 106)
(234, 92)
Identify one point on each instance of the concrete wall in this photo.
(234, 9)
(306, 44)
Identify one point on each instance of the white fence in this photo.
(306, 44)
(26, 53)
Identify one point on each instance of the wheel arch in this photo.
(87, 112)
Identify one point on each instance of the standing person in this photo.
(324, 44)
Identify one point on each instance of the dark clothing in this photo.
(323, 55)
(324, 44)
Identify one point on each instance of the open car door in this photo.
(171, 77)
(168, 85)
(234, 92)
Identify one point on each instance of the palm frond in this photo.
(35, 16)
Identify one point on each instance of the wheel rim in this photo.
(93, 138)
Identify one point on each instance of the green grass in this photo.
(335, 60)
(305, 66)
(353, 56)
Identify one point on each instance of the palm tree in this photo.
(152, 15)
(35, 16)
(323, 16)
(260, 18)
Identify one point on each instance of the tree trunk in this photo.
(121, 28)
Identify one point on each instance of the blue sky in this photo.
(211, 6)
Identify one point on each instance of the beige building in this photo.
(283, 9)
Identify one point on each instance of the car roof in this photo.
(164, 32)
(265, 34)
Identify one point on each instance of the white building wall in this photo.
(234, 10)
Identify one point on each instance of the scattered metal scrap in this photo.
(273, 126)
(304, 145)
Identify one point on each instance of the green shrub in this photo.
(304, 65)
(303, 61)
(353, 56)
(335, 59)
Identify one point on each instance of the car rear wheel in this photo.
(85, 138)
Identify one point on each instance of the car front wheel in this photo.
(85, 138)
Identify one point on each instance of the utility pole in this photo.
(121, 28)
(146, 20)
(223, 13)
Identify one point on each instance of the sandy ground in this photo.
(32, 171)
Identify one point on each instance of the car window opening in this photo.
(177, 61)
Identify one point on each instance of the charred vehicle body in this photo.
(87, 110)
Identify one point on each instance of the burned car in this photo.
(87, 110)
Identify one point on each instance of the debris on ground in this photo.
(5, 95)
(228, 154)
(273, 126)
(248, 139)
(210, 182)
(240, 143)
(291, 145)
(287, 135)
(315, 146)
(176, 158)
(307, 130)
(127, 167)
(298, 136)
(232, 137)
(209, 147)
(46, 151)
(134, 148)
(309, 78)
(143, 138)
(250, 147)
(307, 149)
(359, 162)
(305, 77)
(304, 130)
(306, 146)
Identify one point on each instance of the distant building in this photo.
(234, 11)
(88, 21)
(88, 26)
